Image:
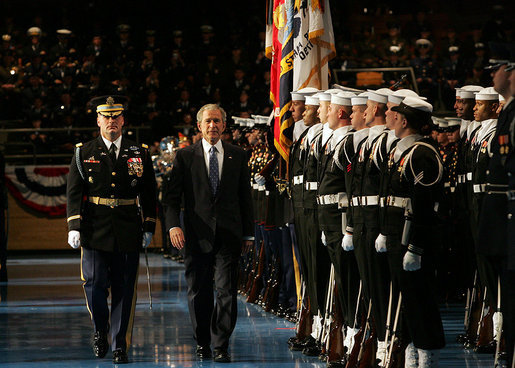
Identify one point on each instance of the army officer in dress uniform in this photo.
(111, 197)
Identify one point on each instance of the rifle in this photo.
(399, 82)
(353, 354)
(366, 356)
(257, 284)
(474, 315)
(485, 329)
(273, 293)
(252, 272)
(328, 311)
(498, 349)
(357, 350)
(390, 361)
(388, 319)
(469, 313)
(247, 272)
(334, 347)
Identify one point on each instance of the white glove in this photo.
(411, 261)
(74, 239)
(324, 240)
(147, 238)
(381, 243)
(260, 180)
(347, 242)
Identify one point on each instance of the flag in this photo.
(313, 44)
(279, 47)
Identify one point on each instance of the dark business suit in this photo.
(214, 227)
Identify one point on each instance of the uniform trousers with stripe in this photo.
(117, 271)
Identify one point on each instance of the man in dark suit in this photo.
(213, 176)
(109, 176)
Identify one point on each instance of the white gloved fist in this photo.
(147, 238)
(347, 242)
(324, 240)
(260, 179)
(411, 261)
(74, 239)
(381, 243)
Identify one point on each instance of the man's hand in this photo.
(381, 243)
(147, 238)
(347, 244)
(411, 261)
(177, 237)
(74, 239)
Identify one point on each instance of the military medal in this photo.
(135, 166)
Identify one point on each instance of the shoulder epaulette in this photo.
(78, 144)
(144, 145)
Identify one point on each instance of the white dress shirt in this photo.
(219, 155)
(117, 143)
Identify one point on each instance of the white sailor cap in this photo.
(377, 96)
(324, 96)
(34, 31)
(453, 122)
(423, 42)
(441, 124)
(312, 100)
(360, 99)
(333, 91)
(487, 94)
(342, 98)
(453, 49)
(401, 94)
(412, 103)
(261, 119)
(467, 92)
(64, 32)
(458, 90)
(301, 94)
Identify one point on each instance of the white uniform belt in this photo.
(479, 188)
(447, 184)
(511, 195)
(255, 186)
(327, 199)
(469, 176)
(462, 178)
(311, 185)
(399, 202)
(261, 188)
(112, 202)
(365, 201)
(299, 179)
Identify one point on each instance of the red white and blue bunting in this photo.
(41, 188)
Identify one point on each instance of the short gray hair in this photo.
(200, 113)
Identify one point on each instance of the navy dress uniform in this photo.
(111, 210)
(409, 191)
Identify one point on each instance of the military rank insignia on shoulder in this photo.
(144, 145)
(78, 144)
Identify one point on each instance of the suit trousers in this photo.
(119, 271)
(213, 321)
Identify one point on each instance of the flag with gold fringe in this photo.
(279, 48)
(313, 44)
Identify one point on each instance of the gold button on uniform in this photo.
(113, 173)
(113, 185)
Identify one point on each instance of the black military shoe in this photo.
(222, 356)
(312, 349)
(301, 345)
(203, 352)
(120, 357)
(100, 344)
(337, 363)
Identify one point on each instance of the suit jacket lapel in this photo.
(199, 164)
(226, 167)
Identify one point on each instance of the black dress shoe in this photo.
(204, 352)
(222, 356)
(100, 344)
(307, 342)
(312, 349)
(120, 357)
